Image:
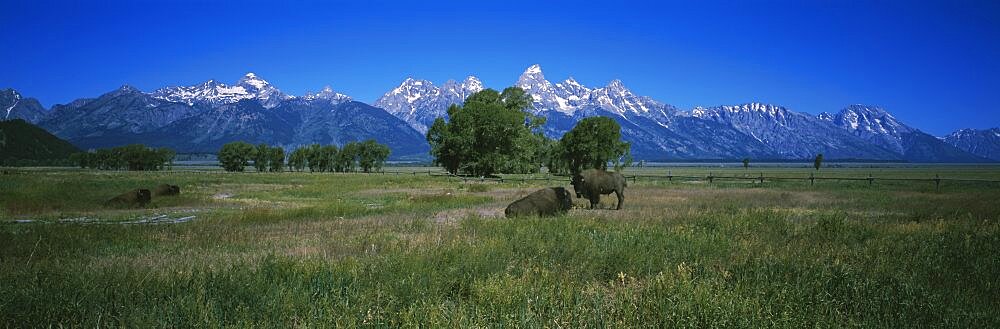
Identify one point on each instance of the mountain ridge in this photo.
(198, 117)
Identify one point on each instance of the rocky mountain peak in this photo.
(327, 93)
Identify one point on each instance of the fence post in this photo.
(710, 177)
(670, 176)
(762, 177)
(870, 179)
(812, 179)
(937, 182)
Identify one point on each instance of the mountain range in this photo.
(202, 117)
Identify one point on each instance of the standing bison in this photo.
(591, 183)
(544, 202)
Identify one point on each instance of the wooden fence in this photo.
(710, 178)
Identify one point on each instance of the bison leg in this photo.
(621, 198)
(594, 200)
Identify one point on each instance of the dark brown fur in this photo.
(545, 202)
(592, 183)
(166, 189)
(136, 197)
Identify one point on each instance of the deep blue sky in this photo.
(936, 65)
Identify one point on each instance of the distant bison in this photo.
(544, 202)
(166, 189)
(136, 197)
(591, 183)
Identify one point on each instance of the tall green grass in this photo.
(320, 250)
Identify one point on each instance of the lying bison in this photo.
(544, 202)
(166, 189)
(591, 183)
(136, 197)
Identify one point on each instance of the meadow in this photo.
(403, 250)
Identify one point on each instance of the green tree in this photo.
(164, 158)
(134, 157)
(372, 155)
(592, 143)
(298, 159)
(262, 157)
(235, 156)
(79, 159)
(277, 161)
(556, 161)
(818, 161)
(328, 157)
(347, 159)
(314, 157)
(491, 132)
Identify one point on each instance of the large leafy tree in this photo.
(372, 155)
(314, 157)
(347, 159)
(277, 160)
(235, 156)
(592, 143)
(491, 132)
(298, 159)
(262, 157)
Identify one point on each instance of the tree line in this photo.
(134, 157)
(367, 156)
(494, 132)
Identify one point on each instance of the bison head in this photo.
(578, 185)
(564, 198)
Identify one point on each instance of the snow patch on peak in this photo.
(214, 93)
(472, 83)
(127, 89)
(420, 102)
(534, 69)
(328, 94)
(251, 79)
(572, 82)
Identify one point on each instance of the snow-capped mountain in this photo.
(871, 123)
(654, 129)
(881, 128)
(123, 111)
(213, 93)
(202, 117)
(660, 131)
(327, 94)
(419, 102)
(567, 97)
(984, 142)
(793, 135)
(14, 106)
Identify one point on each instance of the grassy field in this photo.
(346, 250)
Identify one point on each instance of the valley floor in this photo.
(326, 250)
